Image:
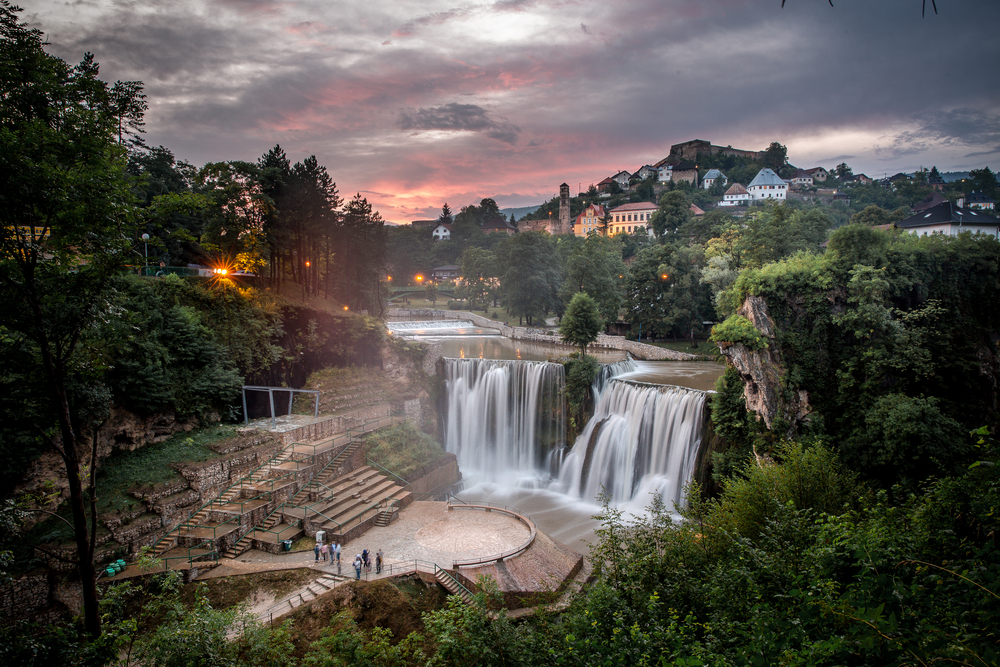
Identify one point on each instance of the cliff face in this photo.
(762, 372)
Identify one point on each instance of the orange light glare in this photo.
(345, 307)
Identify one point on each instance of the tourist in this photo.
(337, 549)
(365, 560)
(357, 566)
(316, 551)
(378, 562)
(324, 550)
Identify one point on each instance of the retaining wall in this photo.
(633, 347)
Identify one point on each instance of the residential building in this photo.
(591, 220)
(818, 173)
(979, 201)
(767, 185)
(736, 195)
(629, 218)
(605, 185)
(677, 172)
(951, 219)
(499, 225)
(802, 178)
(934, 199)
(711, 176)
(621, 178)
(442, 232)
(645, 172)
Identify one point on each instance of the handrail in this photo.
(438, 570)
(521, 516)
(368, 461)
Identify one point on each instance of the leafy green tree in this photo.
(479, 272)
(594, 266)
(775, 156)
(581, 323)
(674, 212)
(985, 181)
(431, 292)
(842, 171)
(66, 233)
(529, 278)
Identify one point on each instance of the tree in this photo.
(431, 292)
(675, 211)
(775, 156)
(581, 323)
(446, 217)
(66, 231)
(479, 272)
(594, 266)
(529, 278)
(843, 171)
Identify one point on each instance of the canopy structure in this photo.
(270, 395)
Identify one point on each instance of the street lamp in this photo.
(145, 250)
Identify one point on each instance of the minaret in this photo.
(564, 224)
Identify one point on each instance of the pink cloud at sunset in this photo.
(422, 103)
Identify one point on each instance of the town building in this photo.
(591, 220)
(677, 172)
(736, 195)
(442, 232)
(447, 272)
(711, 177)
(621, 178)
(951, 219)
(818, 174)
(979, 201)
(629, 218)
(767, 185)
(802, 178)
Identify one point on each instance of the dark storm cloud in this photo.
(459, 117)
(957, 127)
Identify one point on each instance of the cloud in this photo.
(965, 127)
(454, 117)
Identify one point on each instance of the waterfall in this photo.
(503, 416)
(642, 439)
(430, 324)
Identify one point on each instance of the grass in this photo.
(335, 383)
(403, 449)
(153, 465)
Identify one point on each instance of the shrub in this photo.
(738, 330)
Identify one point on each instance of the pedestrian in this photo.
(316, 551)
(364, 558)
(357, 566)
(338, 553)
(378, 562)
(324, 550)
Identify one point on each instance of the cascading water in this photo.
(642, 440)
(506, 420)
(503, 415)
(429, 324)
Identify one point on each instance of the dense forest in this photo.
(860, 531)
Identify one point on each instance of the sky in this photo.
(414, 103)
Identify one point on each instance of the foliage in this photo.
(529, 278)
(593, 265)
(738, 330)
(580, 372)
(402, 449)
(581, 323)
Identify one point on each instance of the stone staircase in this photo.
(316, 588)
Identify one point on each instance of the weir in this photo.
(505, 422)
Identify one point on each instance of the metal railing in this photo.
(493, 507)
(385, 470)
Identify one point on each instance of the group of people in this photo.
(363, 560)
(324, 550)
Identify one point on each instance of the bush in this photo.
(455, 305)
(738, 330)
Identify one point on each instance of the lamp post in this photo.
(145, 253)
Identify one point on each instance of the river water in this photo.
(505, 419)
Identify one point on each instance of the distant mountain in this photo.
(519, 212)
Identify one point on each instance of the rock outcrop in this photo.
(762, 372)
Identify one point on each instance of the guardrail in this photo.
(492, 507)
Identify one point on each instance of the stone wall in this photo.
(337, 424)
(24, 599)
(633, 347)
(435, 477)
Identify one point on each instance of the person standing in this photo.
(324, 550)
(316, 551)
(337, 548)
(378, 562)
(357, 566)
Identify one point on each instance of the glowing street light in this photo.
(420, 278)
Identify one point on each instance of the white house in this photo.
(736, 195)
(645, 172)
(442, 232)
(767, 185)
(711, 177)
(951, 220)
(621, 178)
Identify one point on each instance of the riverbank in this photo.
(635, 348)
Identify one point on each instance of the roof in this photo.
(498, 223)
(978, 198)
(607, 181)
(598, 210)
(801, 173)
(443, 224)
(696, 210)
(815, 170)
(949, 213)
(933, 200)
(766, 177)
(714, 173)
(429, 224)
(637, 206)
(620, 173)
(446, 267)
(736, 189)
(685, 165)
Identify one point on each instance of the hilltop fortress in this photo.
(690, 150)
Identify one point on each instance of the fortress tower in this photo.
(562, 226)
